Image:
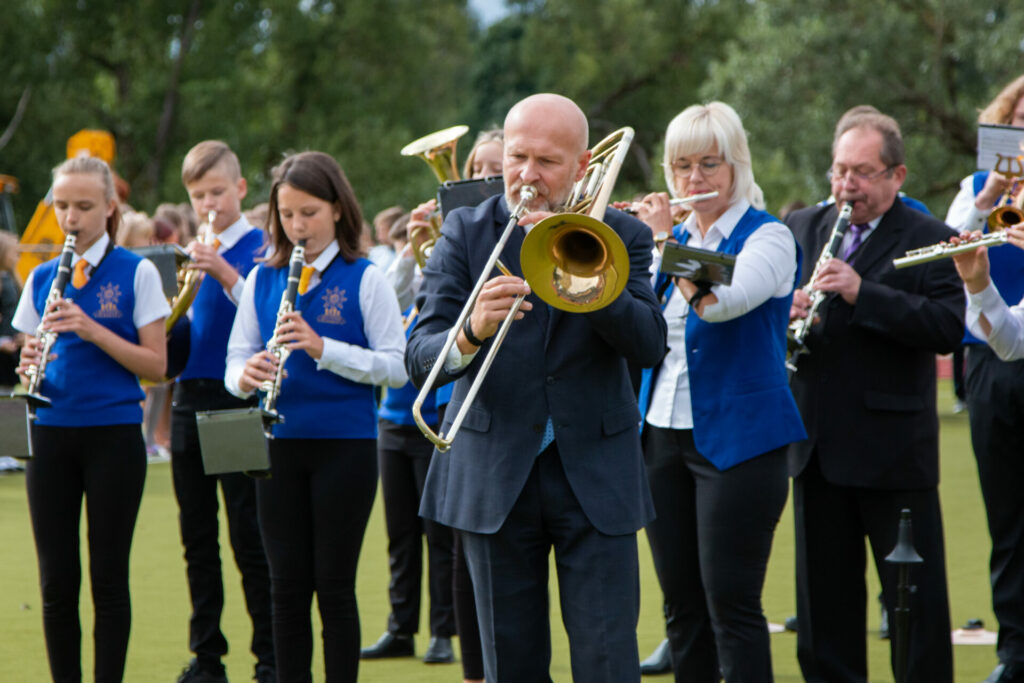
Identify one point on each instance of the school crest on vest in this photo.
(334, 300)
(109, 296)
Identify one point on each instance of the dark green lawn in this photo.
(158, 646)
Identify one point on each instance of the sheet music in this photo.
(994, 140)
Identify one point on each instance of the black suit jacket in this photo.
(867, 388)
(570, 367)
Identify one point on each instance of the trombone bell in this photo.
(574, 262)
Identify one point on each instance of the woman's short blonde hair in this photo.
(700, 127)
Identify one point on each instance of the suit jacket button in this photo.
(550, 380)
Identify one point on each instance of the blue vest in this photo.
(1006, 267)
(213, 312)
(318, 404)
(88, 387)
(397, 404)
(739, 390)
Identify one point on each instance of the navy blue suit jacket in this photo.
(571, 367)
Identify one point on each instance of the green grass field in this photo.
(158, 647)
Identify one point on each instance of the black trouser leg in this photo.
(995, 397)
(313, 512)
(404, 457)
(108, 466)
(465, 613)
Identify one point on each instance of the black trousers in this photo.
(198, 508)
(831, 523)
(313, 512)
(711, 541)
(108, 466)
(404, 457)
(466, 620)
(995, 398)
(598, 581)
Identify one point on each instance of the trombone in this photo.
(572, 261)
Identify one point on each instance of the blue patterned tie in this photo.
(549, 436)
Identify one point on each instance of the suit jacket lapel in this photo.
(880, 243)
(510, 257)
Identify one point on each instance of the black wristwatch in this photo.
(702, 291)
(467, 329)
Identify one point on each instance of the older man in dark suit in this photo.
(549, 455)
(866, 392)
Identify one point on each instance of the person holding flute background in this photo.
(719, 412)
(109, 322)
(995, 377)
(345, 336)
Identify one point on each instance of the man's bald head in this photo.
(554, 114)
(546, 147)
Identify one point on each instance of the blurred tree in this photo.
(796, 65)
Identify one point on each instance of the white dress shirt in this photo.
(765, 269)
(382, 363)
(963, 215)
(404, 276)
(1007, 335)
(150, 303)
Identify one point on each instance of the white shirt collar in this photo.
(94, 254)
(326, 256)
(725, 224)
(231, 234)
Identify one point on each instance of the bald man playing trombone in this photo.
(549, 454)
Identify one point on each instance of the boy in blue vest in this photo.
(224, 252)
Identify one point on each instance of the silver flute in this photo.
(799, 328)
(634, 208)
(943, 250)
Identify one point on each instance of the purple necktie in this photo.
(858, 231)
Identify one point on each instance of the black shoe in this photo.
(790, 624)
(660, 661)
(265, 674)
(439, 651)
(202, 673)
(1004, 673)
(389, 645)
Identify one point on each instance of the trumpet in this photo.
(189, 279)
(272, 388)
(46, 338)
(634, 208)
(798, 329)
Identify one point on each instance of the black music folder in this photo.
(455, 194)
(701, 266)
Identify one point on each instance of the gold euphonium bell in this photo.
(574, 261)
(438, 150)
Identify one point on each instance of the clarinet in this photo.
(45, 337)
(272, 388)
(799, 328)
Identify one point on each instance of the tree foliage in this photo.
(361, 78)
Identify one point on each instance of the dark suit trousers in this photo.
(198, 509)
(404, 457)
(831, 522)
(995, 398)
(598, 581)
(711, 541)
